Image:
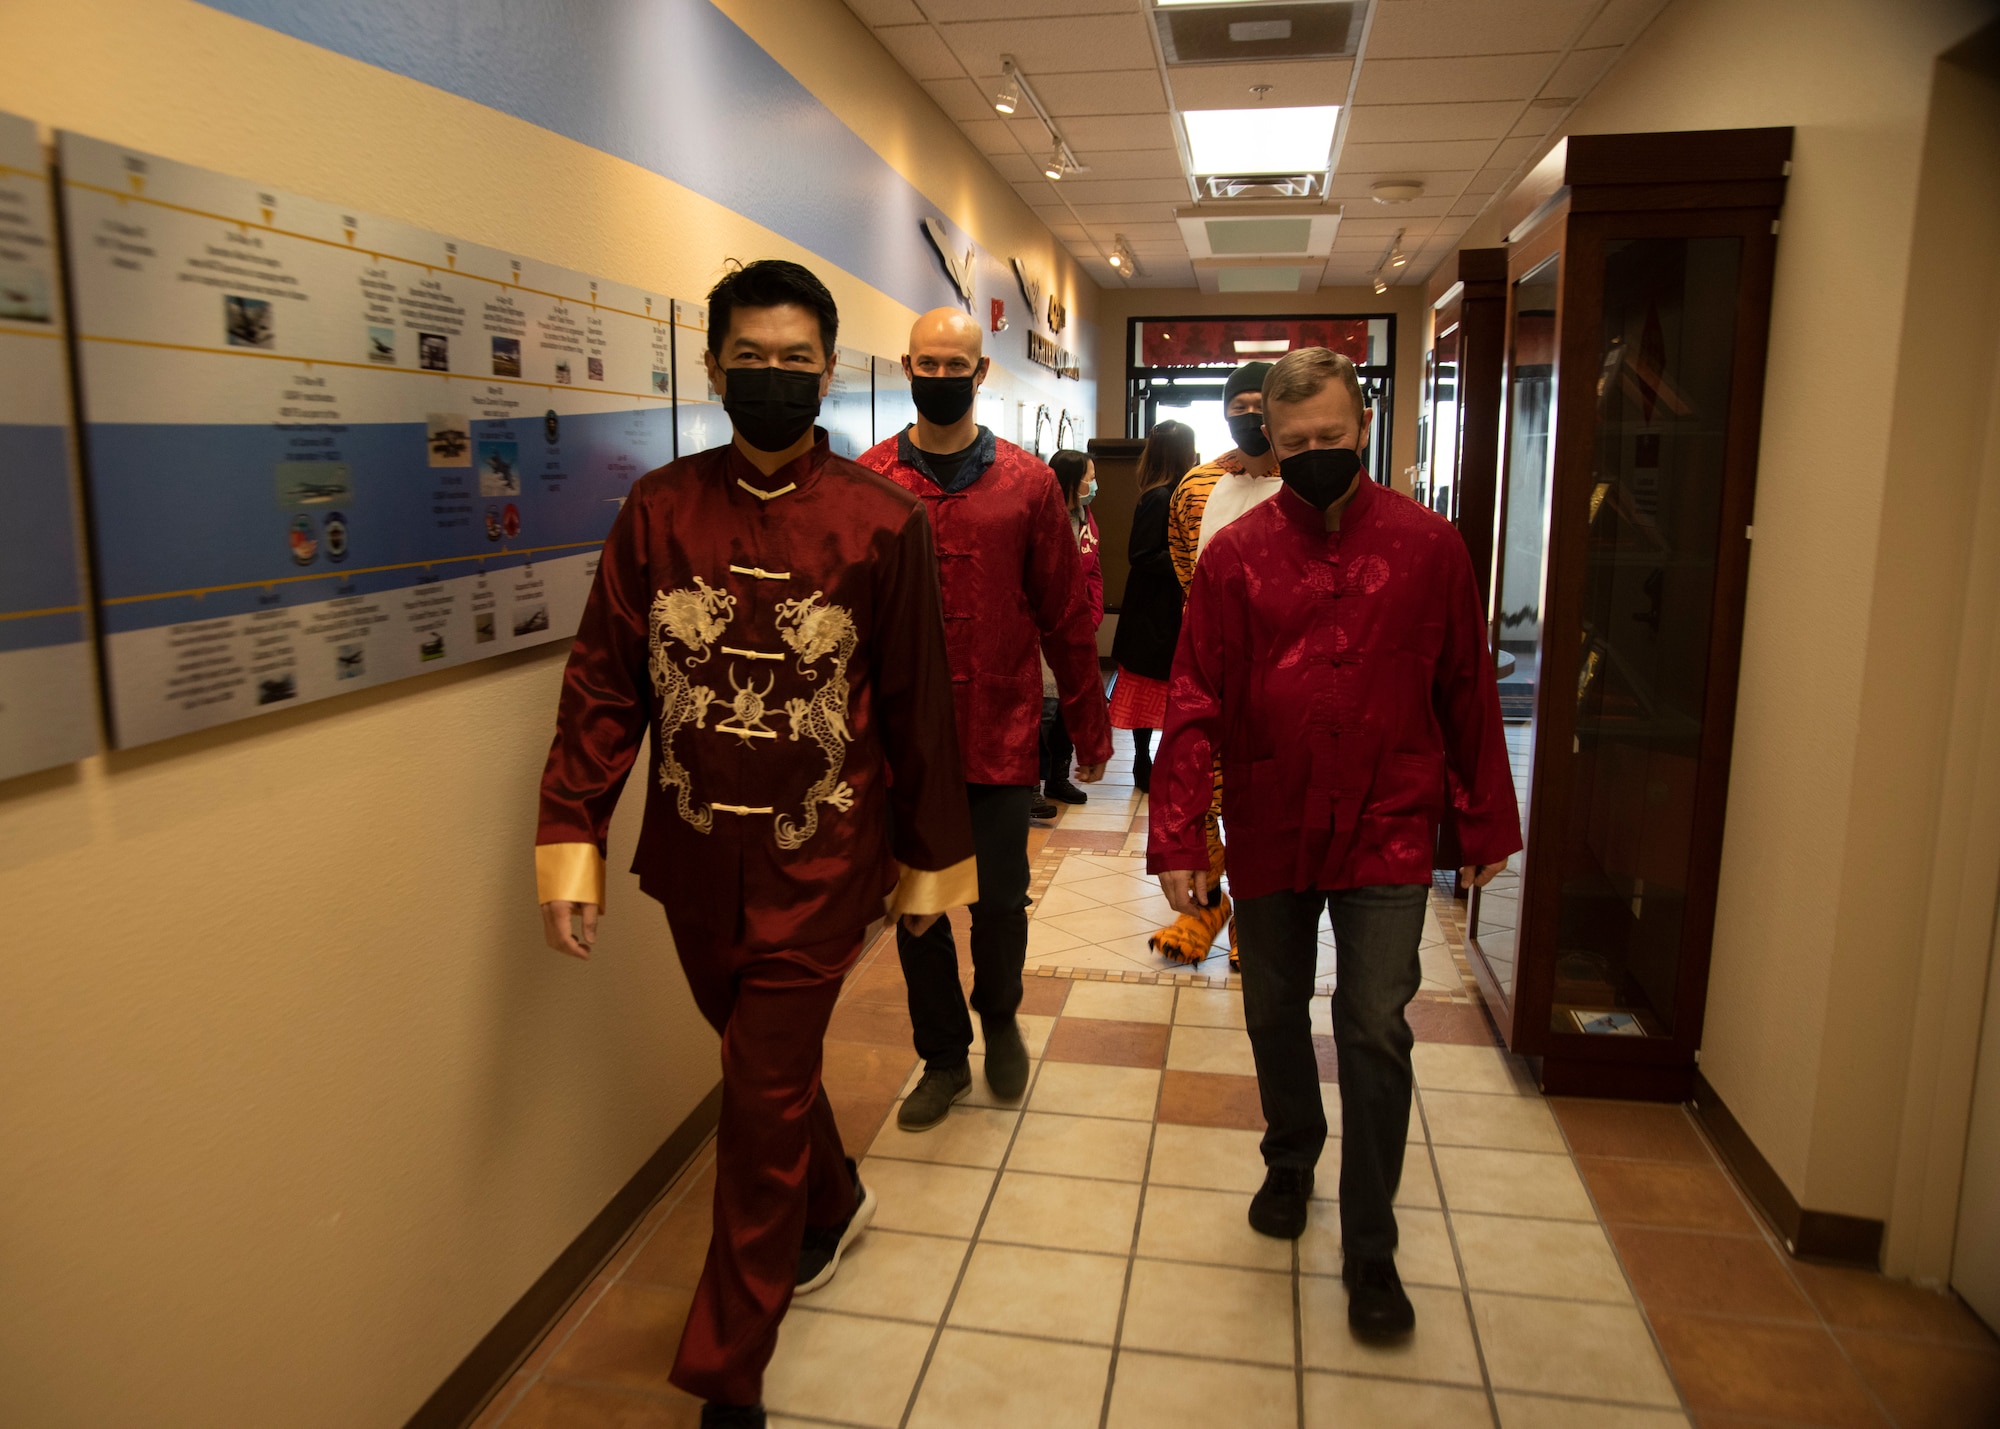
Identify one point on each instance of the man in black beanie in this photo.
(1209, 498)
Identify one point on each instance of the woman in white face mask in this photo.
(1076, 474)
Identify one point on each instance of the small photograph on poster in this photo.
(663, 382)
(499, 468)
(493, 531)
(530, 619)
(450, 443)
(350, 662)
(594, 368)
(382, 345)
(300, 484)
(482, 628)
(432, 647)
(246, 322)
(24, 293)
(304, 540)
(506, 357)
(551, 427)
(274, 688)
(510, 521)
(433, 352)
(562, 372)
(333, 533)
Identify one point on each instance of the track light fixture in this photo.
(1120, 257)
(1381, 284)
(1017, 94)
(1055, 165)
(1009, 98)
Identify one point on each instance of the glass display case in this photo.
(1637, 312)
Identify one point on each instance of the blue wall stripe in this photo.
(674, 86)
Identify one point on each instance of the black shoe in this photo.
(732, 1416)
(930, 1102)
(1279, 1207)
(1142, 773)
(1062, 791)
(1377, 1308)
(1006, 1059)
(819, 1254)
(1046, 810)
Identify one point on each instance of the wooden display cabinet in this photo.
(1638, 310)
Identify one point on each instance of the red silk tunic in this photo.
(779, 636)
(1344, 680)
(1013, 588)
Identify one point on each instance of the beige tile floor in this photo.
(1072, 1259)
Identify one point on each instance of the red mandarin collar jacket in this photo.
(780, 637)
(1344, 681)
(1013, 588)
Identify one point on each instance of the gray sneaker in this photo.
(930, 1102)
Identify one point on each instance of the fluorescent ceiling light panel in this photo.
(1257, 280)
(1247, 348)
(1260, 141)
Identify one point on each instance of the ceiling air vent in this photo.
(1260, 185)
(1234, 32)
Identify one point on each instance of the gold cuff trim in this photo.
(741, 808)
(767, 495)
(752, 654)
(572, 872)
(760, 573)
(922, 891)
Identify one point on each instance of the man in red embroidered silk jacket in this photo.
(1334, 660)
(769, 613)
(1012, 585)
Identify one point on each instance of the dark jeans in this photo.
(1057, 747)
(999, 934)
(1376, 933)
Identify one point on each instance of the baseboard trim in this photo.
(494, 1359)
(1807, 1234)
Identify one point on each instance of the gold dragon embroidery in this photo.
(815, 630)
(695, 618)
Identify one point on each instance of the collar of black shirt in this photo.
(974, 466)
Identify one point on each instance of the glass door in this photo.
(1519, 580)
(1441, 461)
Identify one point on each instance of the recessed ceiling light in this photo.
(1261, 140)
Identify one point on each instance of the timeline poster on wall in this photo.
(326, 450)
(699, 421)
(46, 697)
(848, 413)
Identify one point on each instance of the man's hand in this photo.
(1089, 773)
(1186, 889)
(918, 924)
(1482, 875)
(559, 933)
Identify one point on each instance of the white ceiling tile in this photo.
(1471, 205)
(1425, 29)
(1488, 181)
(961, 99)
(1133, 91)
(1088, 188)
(1381, 224)
(1138, 231)
(1125, 214)
(886, 12)
(1131, 164)
(1413, 158)
(1431, 81)
(1016, 168)
(993, 136)
(1537, 119)
(1088, 133)
(1420, 123)
(1620, 22)
(948, 11)
(1510, 153)
(1293, 83)
(1349, 184)
(1579, 72)
(1046, 47)
(918, 49)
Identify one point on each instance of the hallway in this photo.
(1081, 1258)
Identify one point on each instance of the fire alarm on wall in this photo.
(999, 315)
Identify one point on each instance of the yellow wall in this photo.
(1406, 301)
(1857, 533)
(293, 1103)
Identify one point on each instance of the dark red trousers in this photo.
(779, 1164)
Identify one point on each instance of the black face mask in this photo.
(772, 407)
(1322, 475)
(942, 400)
(1247, 429)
